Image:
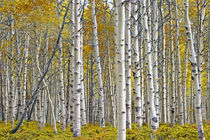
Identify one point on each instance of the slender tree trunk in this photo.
(155, 55)
(61, 86)
(164, 71)
(180, 95)
(25, 71)
(121, 92)
(208, 76)
(128, 64)
(1, 87)
(136, 67)
(184, 84)
(98, 65)
(200, 37)
(82, 97)
(92, 92)
(77, 62)
(150, 85)
(195, 76)
(173, 114)
(72, 99)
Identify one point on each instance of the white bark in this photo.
(195, 77)
(184, 86)
(173, 93)
(11, 88)
(98, 65)
(155, 56)
(121, 92)
(82, 97)
(128, 64)
(164, 88)
(77, 62)
(61, 86)
(136, 67)
(25, 72)
(180, 95)
(72, 68)
(150, 86)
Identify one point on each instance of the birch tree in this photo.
(98, 65)
(208, 74)
(25, 71)
(164, 105)
(180, 94)
(128, 64)
(155, 55)
(120, 77)
(136, 66)
(77, 62)
(150, 85)
(195, 77)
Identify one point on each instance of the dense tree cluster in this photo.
(120, 62)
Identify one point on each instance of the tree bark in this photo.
(121, 92)
(98, 65)
(195, 77)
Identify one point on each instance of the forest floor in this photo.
(29, 130)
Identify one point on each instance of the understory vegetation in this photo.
(29, 130)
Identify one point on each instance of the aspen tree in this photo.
(173, 117)
(128, 64)
(82, 97)
(1, 84)
(201, 5)
(98, 65)
(164, 72)
(77, 62)
(195, 77)
(120, 77)
(150, 85)
(116, 56)
(72, 67)
(6, 88)
(180, 94)
(208, 77)
(155, 55)
(136, 66)
(186, 115)
(27, 37)
(18, 80)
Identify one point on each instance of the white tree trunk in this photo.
(155, 56)
(25, 72)
(98, 65)
(195, 76)
(82, 97)
(11, 88)
(150, 87)
(121, 92)
(136, 67)
(128, 64)
(173, 117)
(72, 68)
(164, 72)
(180, 95)
(77, 62)
(61, 86)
